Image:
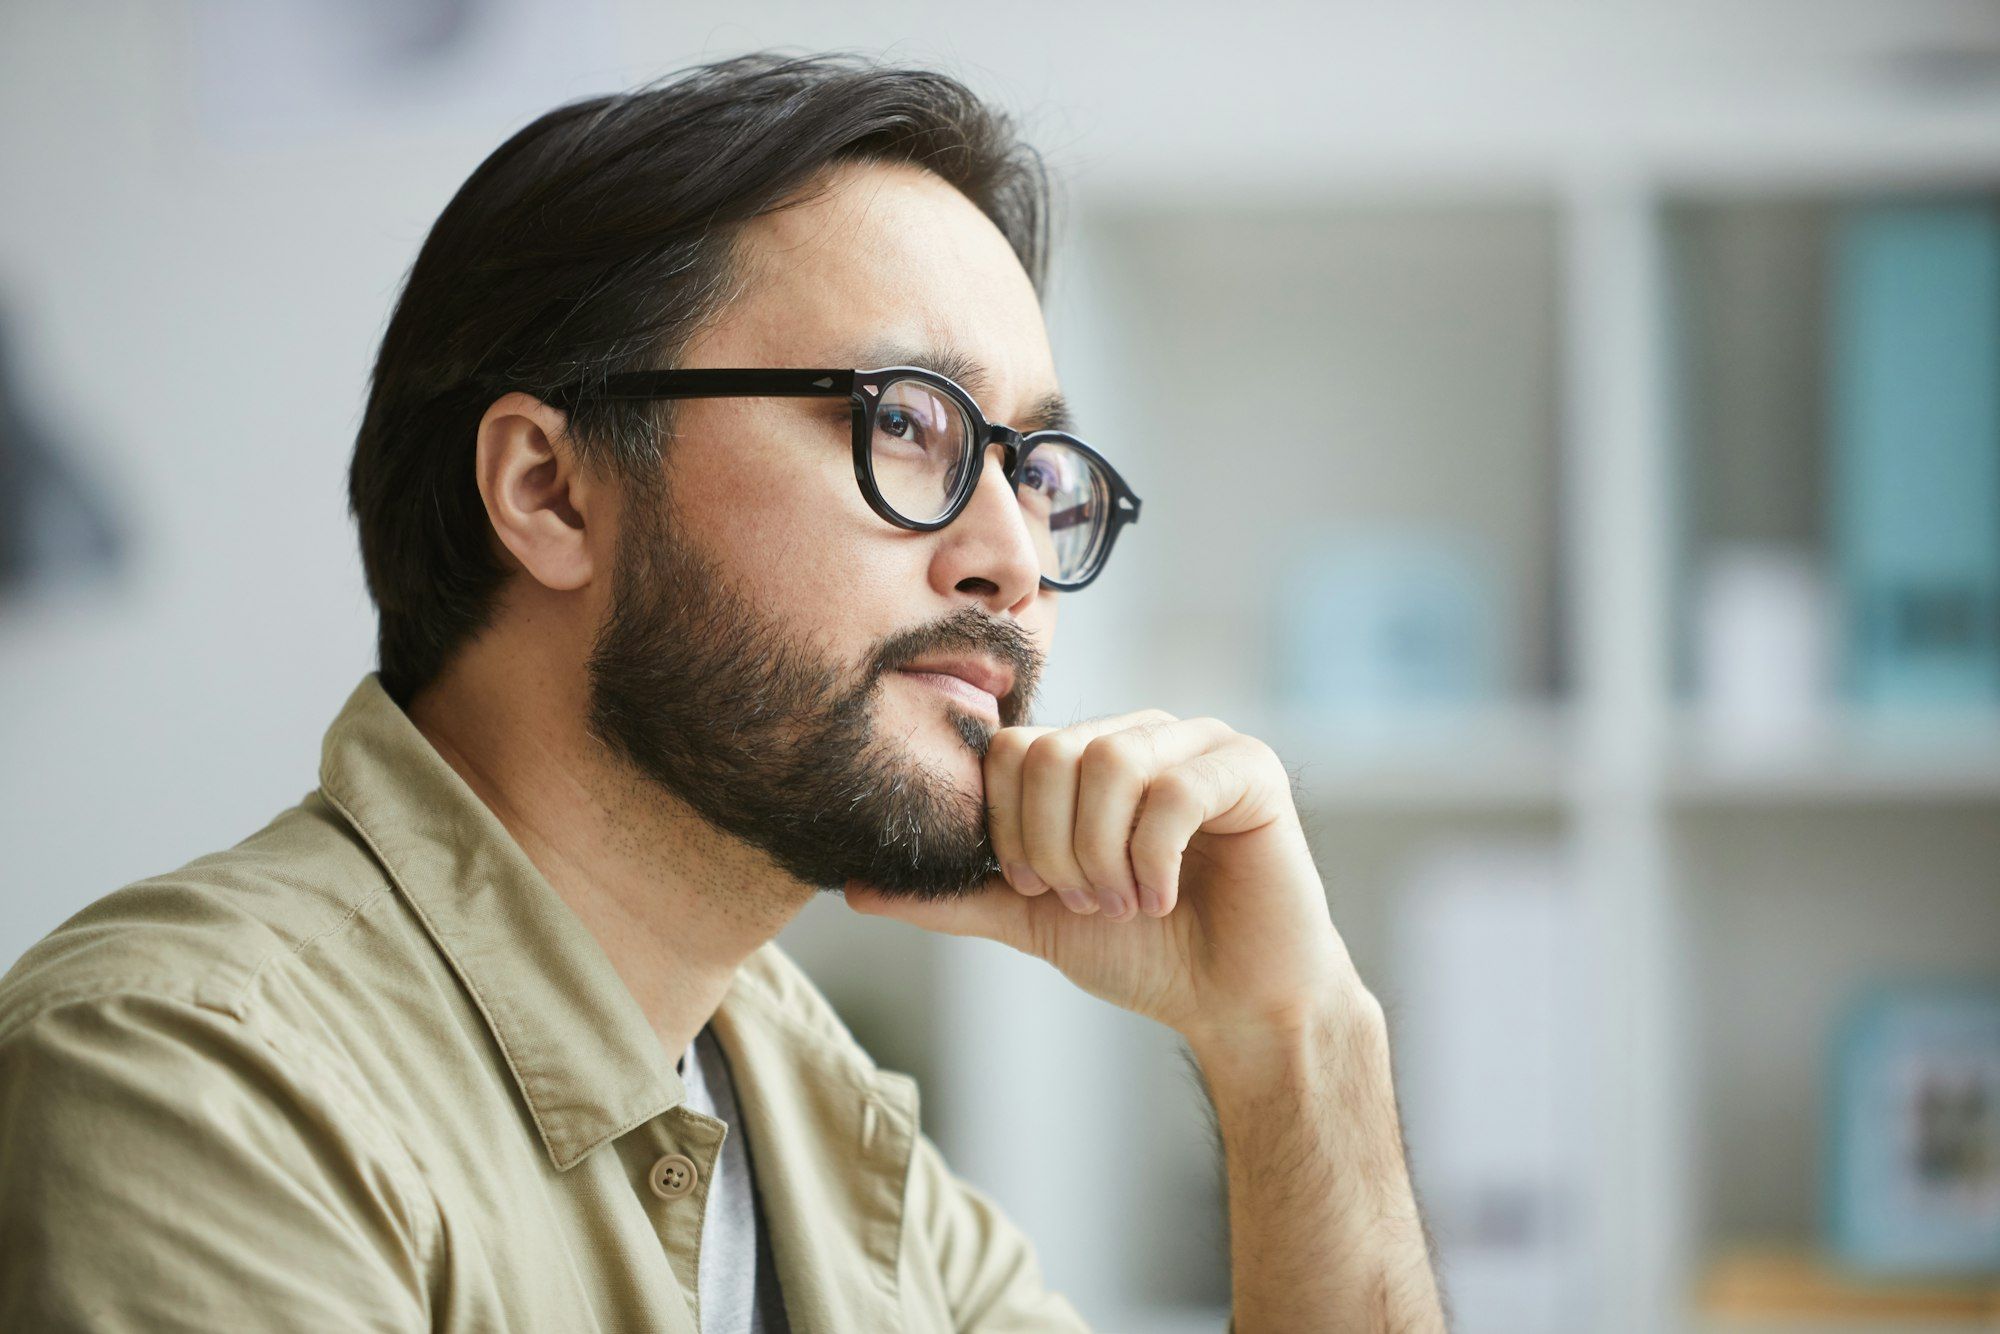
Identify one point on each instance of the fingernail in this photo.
(1022, 877)
(1149, 902)
(1113, 903)
(1078, 901)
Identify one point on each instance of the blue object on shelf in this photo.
(1916, 452)
(1914, 1159)
(1382, 623)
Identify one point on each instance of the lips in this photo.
(968, 696)
(979, 673)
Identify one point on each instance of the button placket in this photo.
(676, 1156)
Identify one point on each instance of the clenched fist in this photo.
(1159, 863)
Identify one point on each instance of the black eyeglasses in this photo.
(920, 445)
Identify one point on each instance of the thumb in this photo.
(994, 910)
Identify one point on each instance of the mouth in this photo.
(957, 688)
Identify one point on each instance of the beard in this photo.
(774, 742)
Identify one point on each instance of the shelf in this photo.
(1780, 1288)
(1522, 758)
(1948, 758)
(1509, 758)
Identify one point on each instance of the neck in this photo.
(676, 905)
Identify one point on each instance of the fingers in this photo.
(1007, 818)
(1049, 781)
(1178, 803)
(1010, 789)
(1117, 772)
(1005, 752)
(1066, 808)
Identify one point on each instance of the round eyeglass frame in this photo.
(864, 388)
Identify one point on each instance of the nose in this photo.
(987, 550)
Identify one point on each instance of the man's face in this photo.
(761, 611)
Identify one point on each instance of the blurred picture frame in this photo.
(1914, 1154)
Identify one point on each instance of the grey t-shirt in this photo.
(737, 1280)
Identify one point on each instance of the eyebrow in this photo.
(1050, 412)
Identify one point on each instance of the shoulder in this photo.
(155, 1094)
(155, 1153)
(206, 933)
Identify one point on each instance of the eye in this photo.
(906, 426)
(1040, 475)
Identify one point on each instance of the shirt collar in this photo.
(586, 1061)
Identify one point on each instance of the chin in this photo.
(942, 748)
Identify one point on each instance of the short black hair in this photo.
(597, 240)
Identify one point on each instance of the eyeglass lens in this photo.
(922, 445)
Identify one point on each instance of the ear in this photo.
(538, 500)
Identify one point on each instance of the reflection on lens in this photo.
(1066, 499)
(919, 449)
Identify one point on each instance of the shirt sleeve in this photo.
(163, 1167)
(991, 1276)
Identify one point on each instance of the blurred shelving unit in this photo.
(1459, 297)
(1858, 848)
(1507, 360)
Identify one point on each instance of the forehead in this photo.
(883, 254)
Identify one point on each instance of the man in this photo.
(488, 1031)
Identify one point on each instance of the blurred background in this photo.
(1570, 433)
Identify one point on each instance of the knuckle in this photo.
(1256, 745)
(1264, 753)
(1009, 743)
(1117, 752)
(1052, 751)
(1179, 785)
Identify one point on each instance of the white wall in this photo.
(197, 297)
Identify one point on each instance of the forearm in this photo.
(1324, 1233)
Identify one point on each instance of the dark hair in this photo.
(599, 239)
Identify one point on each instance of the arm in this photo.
(1191, 897)
(163, 1169)
(1323, 1225)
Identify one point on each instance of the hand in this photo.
(1189, 831)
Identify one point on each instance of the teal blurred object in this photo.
(1914, 1158)
(1916, 452)
(1382, 623)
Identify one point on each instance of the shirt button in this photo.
(672, 1176)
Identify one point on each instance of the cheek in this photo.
(759, 501)
(795, 535)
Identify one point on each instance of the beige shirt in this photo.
(365, 1070)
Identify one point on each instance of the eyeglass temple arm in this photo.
(705, 383)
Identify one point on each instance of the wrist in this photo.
(1347, 1026)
